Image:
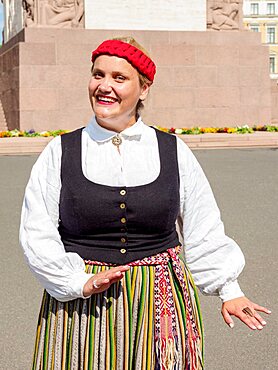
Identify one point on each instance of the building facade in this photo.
(262, 16)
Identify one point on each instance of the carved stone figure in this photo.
(224, 14)
(53, 13)
(29, 12)
(62, 13)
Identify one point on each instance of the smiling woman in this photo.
(98, 229)
(114, 92)
(124, 73)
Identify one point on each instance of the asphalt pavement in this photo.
(245, 184)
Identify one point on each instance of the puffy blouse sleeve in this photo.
(214, 259)
(61, 274)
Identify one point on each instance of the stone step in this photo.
(3, 123)
(26, 145)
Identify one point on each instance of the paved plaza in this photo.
(245, 183)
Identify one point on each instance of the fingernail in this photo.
(118, 273)
(231, 325)
(268, 311)
(263, 323)
(259, 327)
(253, 327)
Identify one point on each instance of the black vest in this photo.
(118, 224)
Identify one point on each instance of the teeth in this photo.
(106, 99)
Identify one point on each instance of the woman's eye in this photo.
(97, 75)
(120, 78)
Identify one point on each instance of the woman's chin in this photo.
(101, 117)
(107, 120)
(104, 114)
(103, 110)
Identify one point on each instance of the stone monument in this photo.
(53, 13)
(224, 15)
(41, 13)
(210, 71)
(178, 15)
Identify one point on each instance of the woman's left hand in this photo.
(246, 311)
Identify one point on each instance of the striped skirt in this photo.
(149, 320)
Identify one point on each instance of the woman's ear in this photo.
(144, 91)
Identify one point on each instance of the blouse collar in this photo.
(101, 134)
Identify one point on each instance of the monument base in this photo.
(204, 78)
(274, 104)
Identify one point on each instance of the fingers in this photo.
(252, 318)
(246, 311)
(99, 283)
(103, 279)
(227, 318)
(261, 308)
(259, 319)
(114, 274)
(252, 322)
(255, 321)
(119, 268)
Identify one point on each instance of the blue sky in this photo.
(1, 21)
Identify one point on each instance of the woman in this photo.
(98, 230)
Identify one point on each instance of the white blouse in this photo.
(214, 259)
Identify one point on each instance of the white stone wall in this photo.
(176, 15)
(13, 18)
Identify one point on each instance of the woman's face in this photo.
(114, 92)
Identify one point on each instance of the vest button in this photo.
(122, 206)
(123, 251)
(123, 192)
(123, 240)
(123, 220)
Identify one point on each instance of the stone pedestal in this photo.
(274, 104)
(203, 78)
(3, 123)
(182, 15)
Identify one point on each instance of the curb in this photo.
(35, 145)
(221, 141)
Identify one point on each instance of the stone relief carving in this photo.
(224, 14)
(53, 13)
(28, 12)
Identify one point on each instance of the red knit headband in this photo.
(134, 56)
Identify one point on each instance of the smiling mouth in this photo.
(107, 100)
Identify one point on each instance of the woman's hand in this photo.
(246, 311)
(102, 280)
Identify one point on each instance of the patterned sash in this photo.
(166, 335)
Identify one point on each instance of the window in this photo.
(254, 28)
(272, 64)
(270, 35)
(271, 8)
(254, 8)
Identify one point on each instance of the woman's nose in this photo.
(105, 85)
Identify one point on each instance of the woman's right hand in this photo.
(102, 280)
